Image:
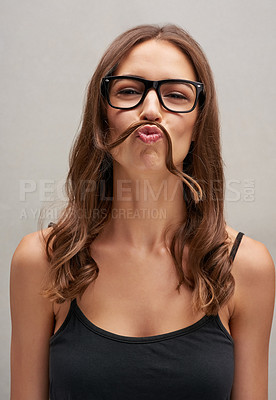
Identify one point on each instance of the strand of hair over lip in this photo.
(191, 183)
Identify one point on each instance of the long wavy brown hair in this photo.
(89, 188)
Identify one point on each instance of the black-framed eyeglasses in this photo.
(128, 92)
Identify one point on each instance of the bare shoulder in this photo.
(31, 246)
(29, 267)
(253, 260)
(253, 267)
(29, 261)
(254, 273)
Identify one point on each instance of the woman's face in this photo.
(152, 60)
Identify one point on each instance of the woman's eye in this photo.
(175, 95)
(128, 91)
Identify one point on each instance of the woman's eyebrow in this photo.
(132, 76)
(142, 77)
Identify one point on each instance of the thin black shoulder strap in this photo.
(236, 246)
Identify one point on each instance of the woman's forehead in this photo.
(155, 60)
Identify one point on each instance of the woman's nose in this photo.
(151, 107)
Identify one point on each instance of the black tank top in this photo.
(193, 363)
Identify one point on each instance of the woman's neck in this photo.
(144, 209)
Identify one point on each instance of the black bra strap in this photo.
(236, 246)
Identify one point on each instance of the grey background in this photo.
(48, 53)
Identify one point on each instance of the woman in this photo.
(135, 287)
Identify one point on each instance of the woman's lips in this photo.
(149, 134)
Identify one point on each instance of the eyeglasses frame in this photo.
(150, 85)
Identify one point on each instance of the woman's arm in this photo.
(251, 320)
(32, 321)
